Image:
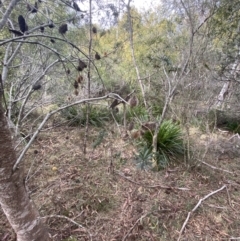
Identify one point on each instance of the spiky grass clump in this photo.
(139, 112)
(170, 147)
(144, 158)
(77, 116)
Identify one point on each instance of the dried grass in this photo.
(136, 205)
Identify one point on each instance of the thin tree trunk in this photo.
(133, 54)
(222, 94)
(7, 13)
(224, 91)
(15, 202)
(89, 80)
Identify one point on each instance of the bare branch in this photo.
(154, 186)
(215, 168)
(130, 230)
(5, 16)
(70, 220)
(54, 112)
(195, 208)
(20, 115)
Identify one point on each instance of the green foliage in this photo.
(233, 127)
(77, 115)
(157, 108)
(138, 111)
(224, 27)
(99, 139)
(144, 158)
(169, 143)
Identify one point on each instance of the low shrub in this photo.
(144, 158)
(78, 115)
(170, 146)
(138, 111)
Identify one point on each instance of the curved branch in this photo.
(110, 95)
(20, 39)
(41, 35)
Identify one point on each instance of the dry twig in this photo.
(195, 208)
(130, 230)
(215, 168)
(70, 220)
(229, 199)
(154, 186)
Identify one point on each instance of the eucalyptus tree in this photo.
(224, 32)
(14, 199)
(213, 34)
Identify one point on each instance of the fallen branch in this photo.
(195, 208)
(229, 200)
(215, 168)
(70, 220)
(131, 229)
(154, 186)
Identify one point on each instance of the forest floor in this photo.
(103, 196)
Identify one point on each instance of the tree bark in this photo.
(15, 202)
(222, 94)
(133, 53)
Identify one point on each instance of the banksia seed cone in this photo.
(75, 6)
(42, 29)
(94, 29)
(80, 79)
(149, 126)
(32, 9)
(22, 24)
(97, 56)
(81, 65)
(37, 86)
(68, 71)
(135, 134)
(35, 8)
(131, 126)
(63, 28)
(51, 25)
(133, 101)
(75, 84)
(76, 92)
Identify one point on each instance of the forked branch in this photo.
(195, 208)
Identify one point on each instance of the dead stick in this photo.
(229, 199)
(70, 220)
(194, 209)
(215, 168)
(154, 186)
(130, 230)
